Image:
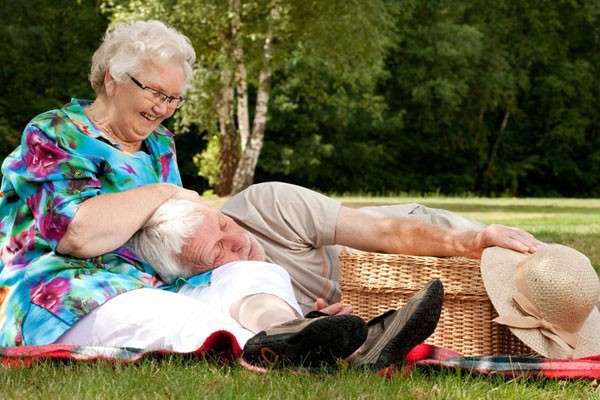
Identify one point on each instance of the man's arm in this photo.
(403, 236)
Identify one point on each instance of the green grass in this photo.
(572, 222)
(178, 377)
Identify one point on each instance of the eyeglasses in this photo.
(157, 96)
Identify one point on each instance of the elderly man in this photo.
(175, 241)
(298, 229)
(302, 231)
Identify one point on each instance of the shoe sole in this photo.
(423, 311)
(323, 341)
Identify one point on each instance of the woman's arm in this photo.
(104, 223)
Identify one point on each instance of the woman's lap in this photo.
(154, 319)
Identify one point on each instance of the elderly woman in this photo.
(84, 179)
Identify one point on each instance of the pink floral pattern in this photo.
(63, 160)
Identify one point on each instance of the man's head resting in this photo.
(184, 238)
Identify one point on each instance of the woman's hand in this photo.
(191, 195)
(186, 194)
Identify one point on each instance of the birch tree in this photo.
(242, 44)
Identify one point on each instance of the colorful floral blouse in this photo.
(63, 160)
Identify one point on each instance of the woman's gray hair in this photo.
(128, 47)
(161, 239)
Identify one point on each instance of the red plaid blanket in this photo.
(220, 344)
(427, 355)
(224, 345)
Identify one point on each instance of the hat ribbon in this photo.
(534, 320)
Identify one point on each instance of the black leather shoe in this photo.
(315, 341)
(393, 334)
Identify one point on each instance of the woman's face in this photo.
(136, 113)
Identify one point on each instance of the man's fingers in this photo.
(333, 309)
(511, 238)
(319, 304)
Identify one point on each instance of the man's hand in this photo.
(333, 309)
(504, 236)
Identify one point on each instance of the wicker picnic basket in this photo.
(373, 283)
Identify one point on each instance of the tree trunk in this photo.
(485, 184)
(241, 77)
(228, 142)
(244, 175)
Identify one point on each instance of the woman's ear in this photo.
(109, 83)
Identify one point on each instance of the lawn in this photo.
(572, 222)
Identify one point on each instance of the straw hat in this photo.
(547, 299)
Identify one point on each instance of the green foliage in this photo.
(303, 160)
(9, 138)
(187, 146)
(496, 98)
(207, 161)
(45, 55)
(337, 60)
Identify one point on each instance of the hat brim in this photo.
(498, 266)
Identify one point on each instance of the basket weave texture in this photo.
(374, 283)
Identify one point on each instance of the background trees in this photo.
(45, 54)
(486, 98)
(378, 96)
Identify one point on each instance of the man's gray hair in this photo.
(161, 239)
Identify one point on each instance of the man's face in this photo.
(218, 241)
